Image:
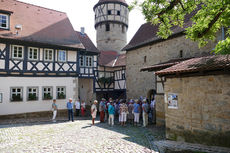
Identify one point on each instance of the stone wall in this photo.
(160, 110)
(203, 114)
(139, 83)
(113, 40)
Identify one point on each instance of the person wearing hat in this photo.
(94, 111)
(102, 110)
(70, 109)
(145, 113)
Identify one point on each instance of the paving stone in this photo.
(78, 136)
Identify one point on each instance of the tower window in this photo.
(107, 27)
(123, 29)
(145, 58)
(181, 53)
(118, 12)
(109, 12)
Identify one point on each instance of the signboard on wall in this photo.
(172, 100)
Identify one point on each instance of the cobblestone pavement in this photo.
(183, 147)
(41, 135)
(78, 136)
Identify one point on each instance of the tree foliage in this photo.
(210, 16)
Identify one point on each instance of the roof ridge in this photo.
(40, 6)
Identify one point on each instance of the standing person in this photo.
(83, 108)
(78, 107)
(102, 110)
(145, 113)
(94, 111)
(111, 111)
(116, 109)
(54, 109)
(153, 110)
(119, 110)
(136, 110)
(130, 109)
(123, 112)
(70, 109)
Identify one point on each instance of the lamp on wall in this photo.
(18, 27)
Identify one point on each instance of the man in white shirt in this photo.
(78, 107)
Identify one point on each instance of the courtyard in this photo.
(77, 136)
(41, 135)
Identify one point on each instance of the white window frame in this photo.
(51, 92)
(59, 59)
(88, 61)
(1, 97)
(13, 51)
(16, 92)
(36, 92)
(33, 49)
(58, 91)
(7, 21)
(48, 56)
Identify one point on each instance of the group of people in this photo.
(79, 106)
(124, 111)
(111, 110)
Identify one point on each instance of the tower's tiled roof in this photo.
(39, 25)
(101, 1)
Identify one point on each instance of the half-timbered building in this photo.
(111, 24)
(41, 58)
(110, 81)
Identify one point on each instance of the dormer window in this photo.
(4, 21)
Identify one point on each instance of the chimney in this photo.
(82, 30)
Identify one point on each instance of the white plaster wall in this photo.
(7, 107)
(2, 46)
(2, 64)
(72, 56)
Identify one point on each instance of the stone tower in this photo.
(111, 24)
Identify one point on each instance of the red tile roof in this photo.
(119, 61)
(201, 64)
(106, 57)
(163, 65)
(87, 43)
(39, 25)
(147, 33)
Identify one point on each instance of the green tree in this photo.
(211, 17)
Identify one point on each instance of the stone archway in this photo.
(151, 93)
